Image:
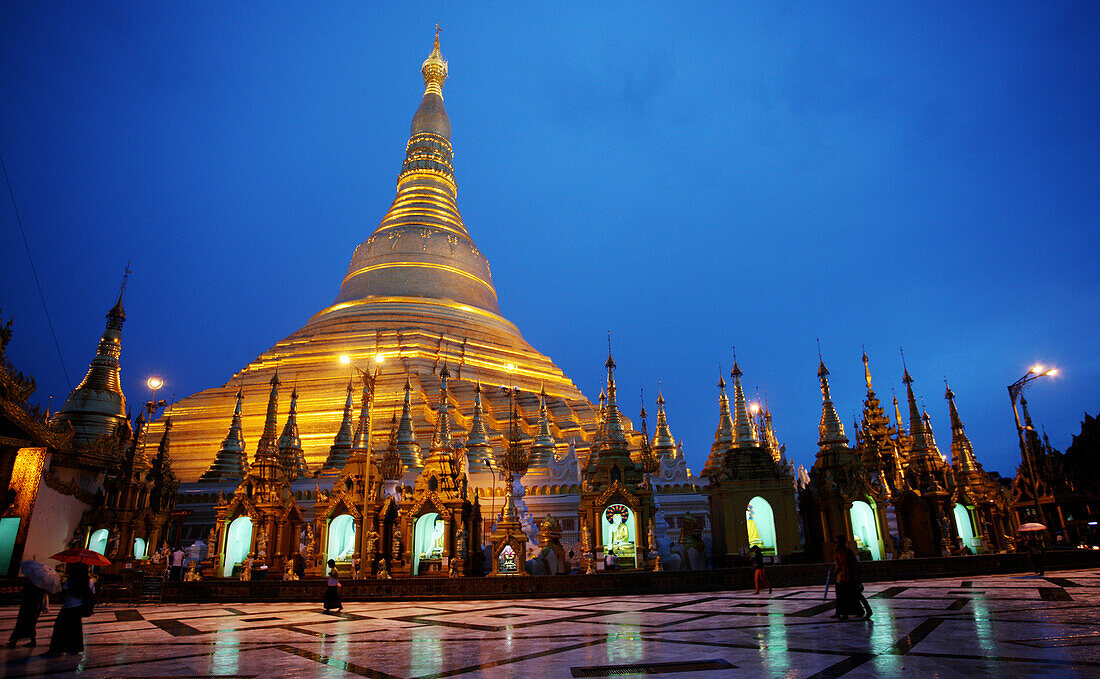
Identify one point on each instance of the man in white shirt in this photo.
(177, 564)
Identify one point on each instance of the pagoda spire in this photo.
(542, 447)
(391, 467)
(962, 451)
(830, 430)
(341, 444)
(479, 449)
(916, 424)
(265, 464)
(442, 436)
(290, 443)
(97, 406)
(744, 435)
(361, 441)
(897, 419)
(434, 69)
(232, 461)
(929, 437)
(771, 442)
(407, 447)
(423, 229)
(664, 445)
(723, 435)
(613, 418)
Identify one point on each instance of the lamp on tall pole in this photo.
(1014, 391)
(369, 381)
(151, 406)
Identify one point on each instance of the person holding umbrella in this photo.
(41, 580)
(79, 601)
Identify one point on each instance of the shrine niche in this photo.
(619, 530)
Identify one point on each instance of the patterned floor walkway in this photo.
(991, 626)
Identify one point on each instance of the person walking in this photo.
(30, 607)
(847, 581)
(332, 592)
(1035, 555)
(68, 629)
(177, 564)
(758, 576)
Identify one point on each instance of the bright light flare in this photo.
(379, 358)
(511, 367)
(154, 383)
(345, 359)
(1052, 371)
(755, 408)
(1037, 368)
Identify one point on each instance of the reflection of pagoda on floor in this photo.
(418, 304)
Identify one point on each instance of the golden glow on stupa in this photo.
(417, 292)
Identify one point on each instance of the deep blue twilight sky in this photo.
(691, 177)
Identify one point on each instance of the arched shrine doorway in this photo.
(98, 542)
(429, 540)
(865, 528)
(341, 538)
(964, 525)
(619, 532)
(760, 524)
(238, 542)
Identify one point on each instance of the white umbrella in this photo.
(41, 576)
(1031, 528)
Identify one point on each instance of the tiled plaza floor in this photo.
(992, 626)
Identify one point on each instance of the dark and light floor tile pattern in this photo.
(993, 626)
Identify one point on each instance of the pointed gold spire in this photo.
(407, 447)
(542, 447)
(391, 467)
(664, 445)
(442, 436)
(479, 450)
(613, 419)
(434, 69)
(897, 419)
(744, 435)
(290, 443)
(231, 462)
(97, 406)
(916, 424)
(723, 435)
(830, 430)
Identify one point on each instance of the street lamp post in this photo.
(1014, 391)
(151, 406)
(369, 380)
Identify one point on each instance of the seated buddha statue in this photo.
(621, 544)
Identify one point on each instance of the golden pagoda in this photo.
(417, 295)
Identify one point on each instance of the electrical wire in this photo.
(34, 270)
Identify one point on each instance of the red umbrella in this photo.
(86, 556)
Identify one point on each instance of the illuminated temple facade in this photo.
(408, 429)
(417, 300)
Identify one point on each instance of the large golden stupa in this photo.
(419, 294)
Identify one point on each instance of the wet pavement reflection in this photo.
(1008, 625)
